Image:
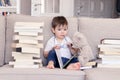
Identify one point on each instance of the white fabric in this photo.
(64, 50)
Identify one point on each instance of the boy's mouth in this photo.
(63, 35)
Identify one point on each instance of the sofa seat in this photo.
(103, 74)
(9, 73)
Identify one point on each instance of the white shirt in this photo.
(64, 50)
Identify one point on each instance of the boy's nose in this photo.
(62, 31)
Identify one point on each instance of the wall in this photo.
(67, 7)
(94, 8)
(25, 7)
(70, 7)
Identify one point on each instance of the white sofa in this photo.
(94, 29)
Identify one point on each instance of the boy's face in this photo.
(60, 31)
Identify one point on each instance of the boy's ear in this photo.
(53, 30)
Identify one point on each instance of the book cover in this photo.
(28, 33)
(25, 61)
(29, 61)
(108, 46)
(28, 50)
(30, 24)
(19, 37)
(110, 41)
(109, 57)
(39, 45)
(28, 41)
(108, 65)
(19, 55)
(109, 49)
(59, 58)
(110, 53)
(28, 30)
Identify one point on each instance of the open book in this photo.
(87, 66)
(60, 60)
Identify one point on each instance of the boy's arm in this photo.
(47, 52)
(72, 50)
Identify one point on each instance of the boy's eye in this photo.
(65, 29)
(59, 29)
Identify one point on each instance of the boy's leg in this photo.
(72, 61)
(65, 60)
(52, 57)
(74, 64)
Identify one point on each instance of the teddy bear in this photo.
(81, 48)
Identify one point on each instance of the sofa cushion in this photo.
(2, 39)
(11, 19)
(8, 73)
(103, 74)
(96, 29)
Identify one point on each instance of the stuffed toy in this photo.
(81, 46)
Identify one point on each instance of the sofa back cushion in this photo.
(96, 29)
(2, 39)
(11, 19)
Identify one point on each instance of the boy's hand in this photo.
(69, 45)
(56, 47)
(73, 50)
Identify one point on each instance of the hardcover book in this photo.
(87, 65)
(60, 60)
(110, 41)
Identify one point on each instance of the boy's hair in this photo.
(58, 21)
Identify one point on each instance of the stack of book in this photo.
(109, 53)
(27, 45)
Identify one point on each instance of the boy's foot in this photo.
(50, 65)
(74, 66)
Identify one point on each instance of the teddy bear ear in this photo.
(79, 36)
